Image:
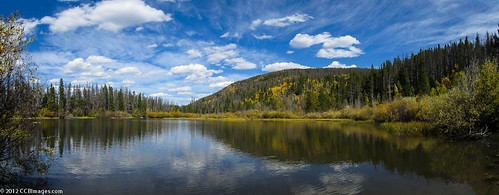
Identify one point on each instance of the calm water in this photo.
(259, 157)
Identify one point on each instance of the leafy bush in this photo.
(46, 113)
(472, 108)
(400, 110)
(364, 113)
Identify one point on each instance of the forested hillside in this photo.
(429, 72)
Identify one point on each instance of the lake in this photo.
(260, 157)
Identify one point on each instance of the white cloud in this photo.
(201, 95)
(281, 22)
(195, 72)
(138, 29)
(112, 15)
(225, 35)
(160, 95)
(343, 41)
(126, 81)
(180, 89)
(290, 52)
(332, 47)
(99, 60)
(336, 64)
(194, 53)
(128, 70)
(152, 46)
(53, 81)
(240, 63)
(219, 53)
(219, 82)
(339, 53)
(263, 37)
(255, 23)
(305, 40)
(29, 24)
(228, 35)
(282, 66)
(86, 68)
(288, 20)
(185, 93)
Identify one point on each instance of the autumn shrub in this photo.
(400, 110)
(454, 113)
(364, 113)
(471, 109)
(46, 112)
(176, 114)
(382, 113)
(313, 115)
(330, 114)
(292, 115)
(253, 114)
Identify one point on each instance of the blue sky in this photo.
(178, 49)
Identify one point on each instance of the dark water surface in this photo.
(260, 157)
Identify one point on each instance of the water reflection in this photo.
(158, 156)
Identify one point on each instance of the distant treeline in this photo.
(429, 72)
(95, 101)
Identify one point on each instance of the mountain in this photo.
(429, 72)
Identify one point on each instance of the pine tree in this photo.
(62, 98)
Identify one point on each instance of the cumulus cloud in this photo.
(85, 68)
(332, 47)
(282, 66)
(99, 60)
(194, 72)
(194, 53)
(219, 82)
(260, 37)
(128, 70)
(281, 22)
(331, 53)
(290, 52)
(112, 15)
(305, 40)
(240, 63)
(336, 64)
